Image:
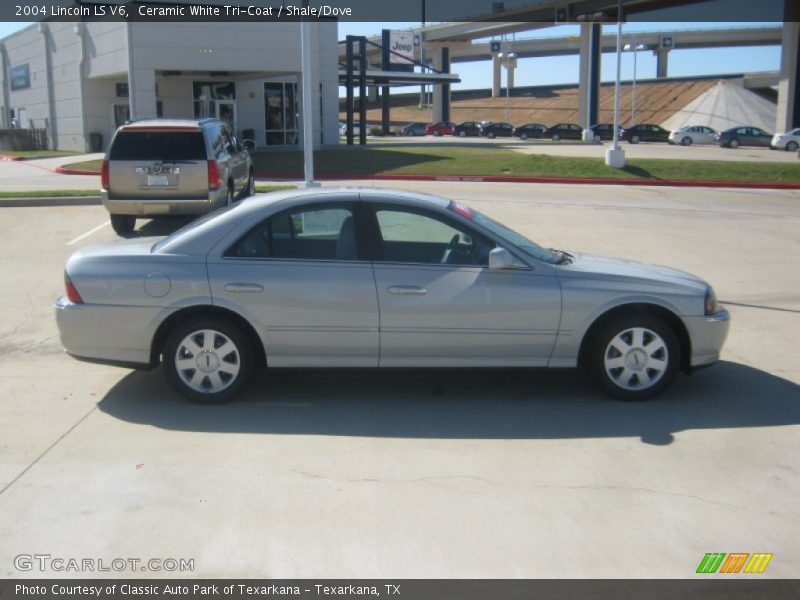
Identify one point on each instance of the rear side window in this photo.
(158, 145)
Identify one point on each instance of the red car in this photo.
(440, 128)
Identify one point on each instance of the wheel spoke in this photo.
(643, 377)
(191, 346)
(184, 364)
(229, 368)
(615, 363)
(620, 345)
(208, 339)
(656, 364)
(216, 381)
(654, 345)
(226, 349)
(197, 379)
(637, 337)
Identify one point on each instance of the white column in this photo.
(437, 88)
(308, 104)
(584, 71)
(496, 69)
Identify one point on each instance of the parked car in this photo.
(692, 134)
(644, 133)
(493, 130)
(414, 129)
(289, 279)
(440, 128)
(530, 130)
(563, 131)
(343, 129)
(467, 128)
(743, 136)
(603, 131)
(789, 141)
(159, 167)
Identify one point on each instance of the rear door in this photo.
(299, 274)
(158, 162)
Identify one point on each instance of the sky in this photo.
(564, 69)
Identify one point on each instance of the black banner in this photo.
(729, 588)
(432, 11)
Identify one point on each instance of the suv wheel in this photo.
(208, 360)
(635, 358)
(250, 188)
(123, 224)
(230, 199)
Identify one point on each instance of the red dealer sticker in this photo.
(461, 209)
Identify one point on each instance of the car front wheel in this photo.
(523, 136)
(123, 224)
(687, 141)
(462, 134)
(208, 360)
(635, 358)
(556, 137)
(791, 146)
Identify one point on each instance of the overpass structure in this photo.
(458, 42)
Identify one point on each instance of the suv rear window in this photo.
(158, 145)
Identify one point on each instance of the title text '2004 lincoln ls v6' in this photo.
(377, 278)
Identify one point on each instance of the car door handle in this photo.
(243, 288)
(406, 290)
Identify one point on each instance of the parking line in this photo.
(88, 233)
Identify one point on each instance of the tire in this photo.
(462, 134)
(635, 139)
(230, 198)
(635, 358)
(687, 141)
(123, 224)
(491, 135)
(523, 136)
(437, 133)
(556, 137)
(250, 187)
(225, 377)
(734, 143)
(791, 146)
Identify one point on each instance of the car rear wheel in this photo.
(687, 141)
(734, 143)
(208, 360)
(123, 224)
(635, 358)
(437, 133)
(490, 135)
(462, 134)
(791, 146)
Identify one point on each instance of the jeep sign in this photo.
(401, 44)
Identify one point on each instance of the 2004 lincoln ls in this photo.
(377, 278)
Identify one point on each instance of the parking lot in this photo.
(417, 474)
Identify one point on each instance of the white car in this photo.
(343, 129)
(692, 134)
(789, 141)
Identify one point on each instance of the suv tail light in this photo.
(104, 178)
(72, 291)
(213, 176)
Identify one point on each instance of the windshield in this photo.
(512, 237)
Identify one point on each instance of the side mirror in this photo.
(501, 259)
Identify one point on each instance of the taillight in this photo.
(104, 178)
(72, 291)
(213, 176)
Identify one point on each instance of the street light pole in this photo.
(507, 61)
(615, 156)
(635, 49)
(308, 111)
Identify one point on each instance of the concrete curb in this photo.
(566, 180)
(65, 171)
(50, 201)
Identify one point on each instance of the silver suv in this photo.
(160, 167)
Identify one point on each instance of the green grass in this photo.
(429, 159)
(49, 193)
(87, 165)
(38, 153)
(264, 189)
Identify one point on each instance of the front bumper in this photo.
(707, 335)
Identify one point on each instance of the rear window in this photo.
(158, 145)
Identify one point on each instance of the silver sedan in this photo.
(377, 278)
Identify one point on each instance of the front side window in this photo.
(418, 237)
(314, 233)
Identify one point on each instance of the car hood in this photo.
(617, 269)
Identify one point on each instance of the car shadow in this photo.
(475, 404)
(160, 226)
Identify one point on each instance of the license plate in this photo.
(157, 180)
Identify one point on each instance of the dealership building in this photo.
(80, 80)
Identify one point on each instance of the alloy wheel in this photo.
(207, 361)
(636, 359)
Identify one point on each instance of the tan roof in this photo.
(656, 102)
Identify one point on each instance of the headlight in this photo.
(711, 302)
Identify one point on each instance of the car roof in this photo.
(194, 124)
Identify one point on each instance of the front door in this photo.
(440, 304)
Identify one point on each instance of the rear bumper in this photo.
(707, 335)
(116, 335)
(161, 206)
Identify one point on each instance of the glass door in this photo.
(280, 113)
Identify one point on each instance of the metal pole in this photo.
(508, 88)
(308, 111)
(616, 84)
(633, 89)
